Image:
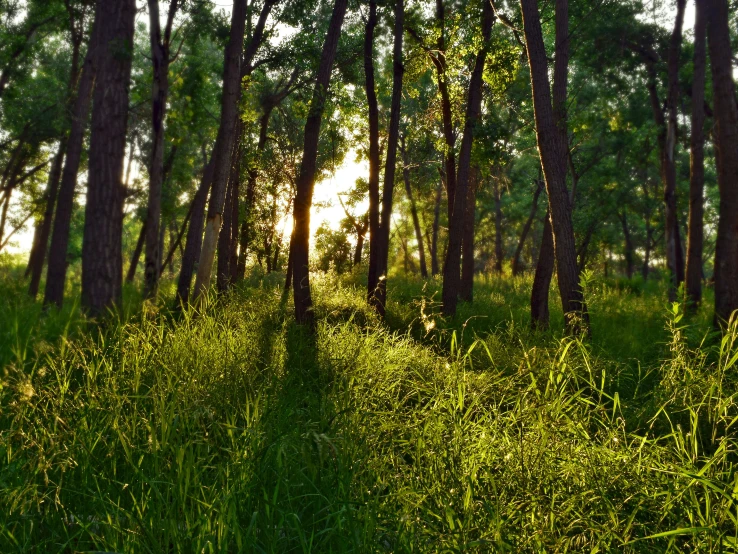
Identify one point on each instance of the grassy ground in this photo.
(232, 430)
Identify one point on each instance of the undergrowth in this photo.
(233, 430)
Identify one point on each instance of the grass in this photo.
(232, 430)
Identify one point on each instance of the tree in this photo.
(102, 262)
(299, 244)
(726, 145)
(693, 275)
(552, 147)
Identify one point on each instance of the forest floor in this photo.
(234, 430)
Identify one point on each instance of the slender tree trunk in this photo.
(193, 244)
(160, 89)
(435, 269)
(176, 241)
(516, 267)
(57, 267)
(223, 146)
(360, 235)
(102, 263)
(224, 238)
(299, 245)
(413, 208)
(542, 278)
(235, 211)
(466, 285)
(373, 111)
(451, 269)
(629, 250)
(449, 136)
(693, 275)
(379, 299)
(136, 256)
(726, 146)
(550, 121)
(498, 229)
(41, 241)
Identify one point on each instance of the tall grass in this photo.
(232, 430)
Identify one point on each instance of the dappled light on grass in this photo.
(233, 430)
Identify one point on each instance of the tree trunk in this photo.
(542, 278)
(550, 121)
(435, 269)
(102, 263)
(629, 250)
(136, 256)
(223, 146)
(41, 241)
(299, 245)
(379, 298)
(413, 208)
(160, 47)
(57, 267)
(374, 161)
(695, 231)
(451, 269)
(516, 268)
(498, 229)
(193, 244)
(224, 237)
(726, 146)
(466, 285)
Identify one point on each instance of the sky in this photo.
(345, 176)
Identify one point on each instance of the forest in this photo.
(368, 276)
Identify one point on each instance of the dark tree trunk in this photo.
(57, 267)
(223, 148)
(299, 245)
(413, 208)
(360, 235)
(498, 229)
(516, 268)
(550, 121)
(102, 262)
(176, 241)
(41, 240)
(466, 285)
(193, 244)
(542, 278)
(449, 137)
(373, 112)
(379, 299)
(435, 269)
(160, 49)
(628, 250)
(224, 241)
(235, 210)
(695, 231)
(136, 256)
(451, 269)
(726, 146)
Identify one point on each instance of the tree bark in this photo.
(551, 136)
(435, 269)
(57, 267)
(466, 285)
(413, 208)
(374, 161)
(726, 154)
(695, 233)
(516, 268)
(299, 244)
(41, 238)
(451, 269)
(102, 263)
(160, 59)
(542, 278)
(136, 256)
(193, 244)
(379, 299)
(498, 229)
